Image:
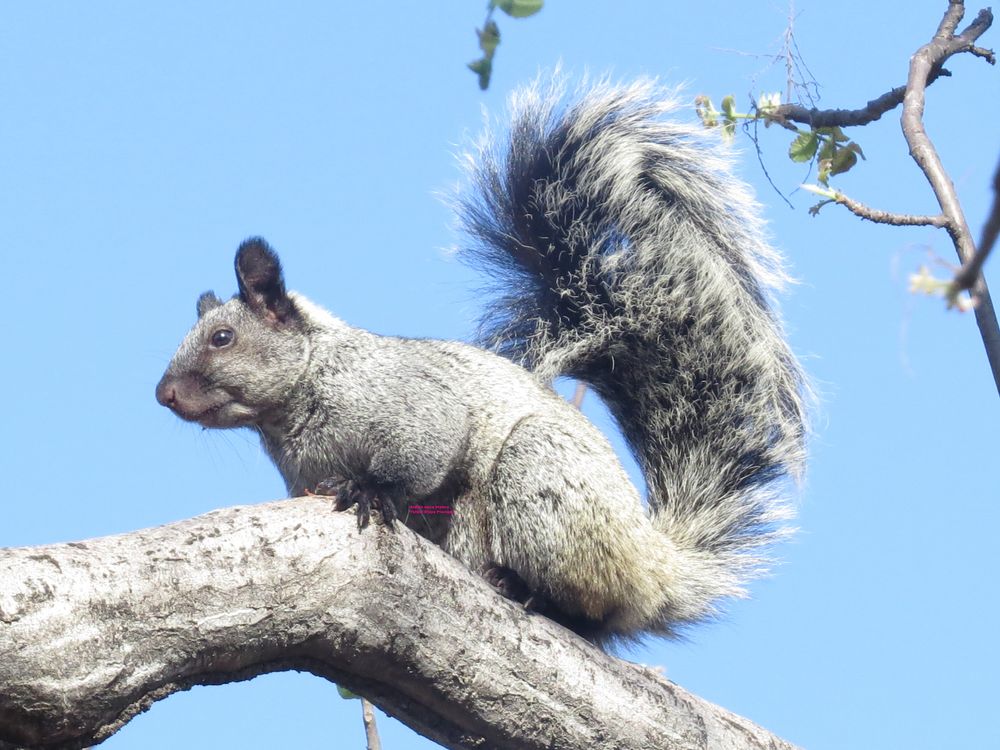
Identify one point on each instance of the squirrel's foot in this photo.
(348, 493)
(511, 586)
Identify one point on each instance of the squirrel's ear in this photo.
(207, 301)
(262, 287)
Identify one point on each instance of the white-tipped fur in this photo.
(649, 277)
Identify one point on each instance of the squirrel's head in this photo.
(243, 357)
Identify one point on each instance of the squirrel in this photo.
(629, 258)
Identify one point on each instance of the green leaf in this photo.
(834, 133)
(482, 68)
(706, 111)
(729, 108)
(489, 38)
(347, 695)
(519, 8)
(827, 150)
(842, 161)
(804, 146)
(823, 175)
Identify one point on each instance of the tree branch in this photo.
(875, 108)
(843, 118)
(968, 274)
(371, 729)
(92, 633)
(945, 44)
(926, 66)
(885, 217)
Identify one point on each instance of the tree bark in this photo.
(94, 632)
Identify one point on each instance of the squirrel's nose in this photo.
(166, 391)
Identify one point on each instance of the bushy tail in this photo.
(631, 258)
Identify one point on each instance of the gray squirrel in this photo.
(630, 258)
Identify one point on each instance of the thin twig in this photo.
(752, 134)
(371, 731)
(932, 55)
(969, 272)
(789, 59)
(885, 217)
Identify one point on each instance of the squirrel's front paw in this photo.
(348, 493)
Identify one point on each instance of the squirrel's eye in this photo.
(222, 337)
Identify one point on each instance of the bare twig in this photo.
(886, 217)
(969, 272)
(371, 730)
(932, 55)
(826, 118)
(789, 55)
(952, 17)
(752, 135)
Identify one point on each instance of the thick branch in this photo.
(945, 44)
(92, 633)
(952, 17)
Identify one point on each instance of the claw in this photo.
(348, 493)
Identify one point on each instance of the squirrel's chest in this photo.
(303, 462)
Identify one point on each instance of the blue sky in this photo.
(140, 143)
